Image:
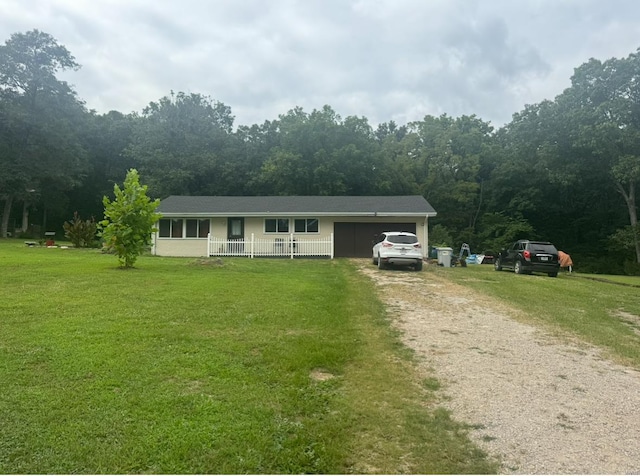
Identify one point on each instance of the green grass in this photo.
(191, 366)
(604, 311)
(625, 280)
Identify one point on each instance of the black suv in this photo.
(526, 256)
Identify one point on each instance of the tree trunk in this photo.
(25, 217)
(44, 218)
(5, 216)
(630, 199)
(633, 217)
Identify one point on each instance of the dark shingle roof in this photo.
(296, 205)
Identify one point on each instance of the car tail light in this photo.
(527, 255)
(386, 244)
(417, 246)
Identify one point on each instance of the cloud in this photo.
(385, 60)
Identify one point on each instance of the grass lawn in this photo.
(192, 366)
(626, 280)
(604, 311)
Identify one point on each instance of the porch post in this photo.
(425, 251)
(154, 246)
(332, 245)
(252, 242)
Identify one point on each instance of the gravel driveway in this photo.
(538, 404)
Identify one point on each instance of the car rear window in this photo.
(402, 239)
(543, 248)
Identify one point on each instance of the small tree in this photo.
(82, 233)
(129, 220)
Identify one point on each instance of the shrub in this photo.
(440, 236)
(631, 268)
(597, 263)
(82, 233)
(498, 230)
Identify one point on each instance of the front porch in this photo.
(283, 246)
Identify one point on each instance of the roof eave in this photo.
(296, 214)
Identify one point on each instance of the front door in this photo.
(235, 228)
(235, 235)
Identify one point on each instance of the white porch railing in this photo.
(286, 246)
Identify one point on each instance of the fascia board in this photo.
(293, 214)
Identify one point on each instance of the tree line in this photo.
(564, 170)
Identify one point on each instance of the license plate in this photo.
(544, 258)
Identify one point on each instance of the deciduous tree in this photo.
(180, 145)
(129, 220)
(606, 98)
(39, 115)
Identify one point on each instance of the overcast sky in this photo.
(382, 59)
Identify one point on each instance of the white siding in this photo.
(197, 247)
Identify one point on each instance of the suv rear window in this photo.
(543, 248)
(402, 239)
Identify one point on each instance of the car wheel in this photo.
(418, 265)
(375, 260)
(553, 275)
(381, 264)
(517, 267)
(497, 264)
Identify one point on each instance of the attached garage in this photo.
(355, 240)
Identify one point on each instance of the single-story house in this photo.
(289, 226)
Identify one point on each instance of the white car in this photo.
(398, 248)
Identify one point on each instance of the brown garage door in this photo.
(355, 240)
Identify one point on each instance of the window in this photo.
(402, 239)
(165, 228)
(179, 228)
(192, 228)
(306, 225)
(203, 228)
(543, 248)
(176, 228)
(197, 228)
(236, 227)
(276, 225)
(170, 228)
